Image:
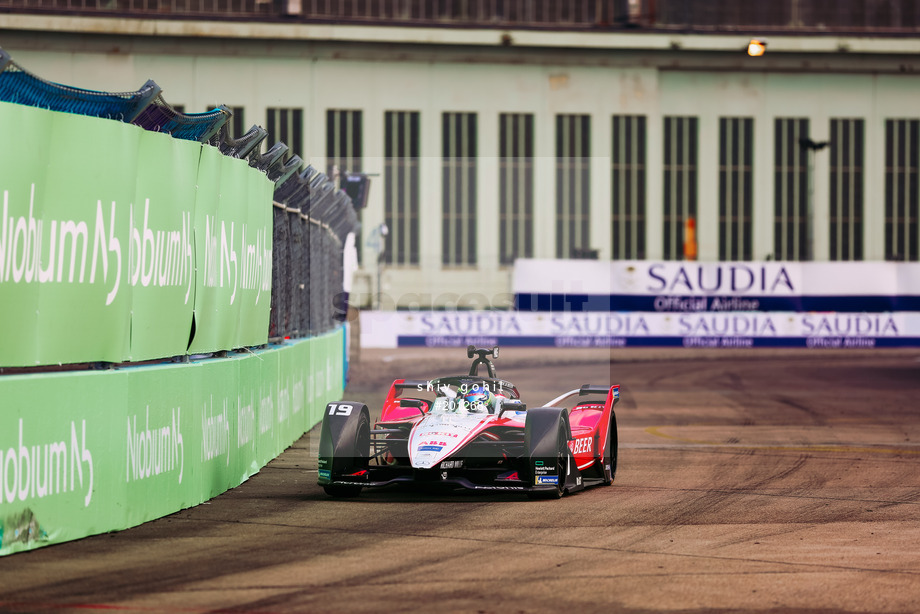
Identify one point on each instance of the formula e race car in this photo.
(471, 432)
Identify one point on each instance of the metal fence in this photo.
(160, 116)
(794, 15)
(311, 219)
(19, 86)
(312, 216)
(874, 16)
(497, 13)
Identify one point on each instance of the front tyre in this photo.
(559, 469)
(344, 448)
(546, 439)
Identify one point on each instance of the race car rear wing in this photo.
(587, 389)
(593, 389)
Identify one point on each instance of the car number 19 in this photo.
(340, 409)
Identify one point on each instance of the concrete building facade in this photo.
(491, 144)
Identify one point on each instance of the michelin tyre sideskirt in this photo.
(548, 458)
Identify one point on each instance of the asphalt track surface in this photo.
(748, 481)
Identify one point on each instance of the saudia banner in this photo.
(96, 451)
(649, 286)
(639, 329)
(115, 240)
(586, 303)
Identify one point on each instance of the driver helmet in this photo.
(480, 401)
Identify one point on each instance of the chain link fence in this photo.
(312, 218)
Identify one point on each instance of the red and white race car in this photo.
(474, 432)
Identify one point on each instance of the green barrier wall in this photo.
(116, 243)
(97, 451)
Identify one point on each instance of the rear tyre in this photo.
(609, 469)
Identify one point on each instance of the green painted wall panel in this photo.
(95, 451)
(105, 253)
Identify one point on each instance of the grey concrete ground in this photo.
(748, 481)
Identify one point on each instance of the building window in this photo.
(458, 189)
(343, 141)
(680, 181)
(237, 123)
(736, 178)
(573, 197)
(236, 127)
(902, 194)
(401, 186)
(285, 126)
(627, 172)
(515, 186)
(846, 211)
(343, 152)
(791, 219)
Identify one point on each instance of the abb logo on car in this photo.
(582, 445)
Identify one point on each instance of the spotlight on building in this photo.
(756, 48)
